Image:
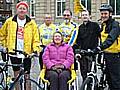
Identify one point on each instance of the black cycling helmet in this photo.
(105, 7)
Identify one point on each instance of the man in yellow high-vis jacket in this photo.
(20, 32)
(68, 28)
(46, 34)
(109, 38)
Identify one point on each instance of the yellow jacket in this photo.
(70, 32)
(119, 43)
(114, 47)
(46, 33)
(31, 35)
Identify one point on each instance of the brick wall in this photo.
(43, 6)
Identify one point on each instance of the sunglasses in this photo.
(66, 15)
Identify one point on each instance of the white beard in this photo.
(66, 21)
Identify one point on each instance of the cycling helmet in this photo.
(106, 7)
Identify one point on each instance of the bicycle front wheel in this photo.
(27, 84)
(88, 85)
(34, 84)
(85, 84)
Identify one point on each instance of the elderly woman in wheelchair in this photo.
(58, 59)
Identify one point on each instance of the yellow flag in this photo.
(78, 7)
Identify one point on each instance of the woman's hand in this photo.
(54, 68)
(59, 71)
(60, 66)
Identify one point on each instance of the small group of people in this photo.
(56, 44)
(106, 38)
(21, 32)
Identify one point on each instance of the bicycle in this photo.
(20, 78)
(101, 65)
(92, 82)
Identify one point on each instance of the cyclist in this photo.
(46, 33)
(58, 57)
(88, 37)
(110, 45)
(21, 33)
(68, 28)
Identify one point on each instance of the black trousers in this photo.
(40, 58)
(85, 65)
(58, 81)
(113, 71)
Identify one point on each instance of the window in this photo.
(1, 4)
(60, 7)
(116, 6)
(8, 1)
(32, 8)
(87, 4)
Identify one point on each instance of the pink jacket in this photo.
(54, 55)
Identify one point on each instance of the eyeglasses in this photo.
(48, 17)
(57, 36)
(66, 15)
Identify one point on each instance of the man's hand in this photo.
(78, 56)
(3, 49)
(97, 50)
(36, 53)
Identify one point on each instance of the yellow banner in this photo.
(78, 7)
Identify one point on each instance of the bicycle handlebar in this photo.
(87, 52)
(42, 46)
(20, 52)
(24, 54)
(4, 65)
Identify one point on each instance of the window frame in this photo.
(114, 14)
(61, 2)
(1, 4)
(86, 5)
(32, 2)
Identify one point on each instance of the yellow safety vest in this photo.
(114, 47)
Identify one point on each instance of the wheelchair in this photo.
(72, 83)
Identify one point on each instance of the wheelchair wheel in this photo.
(34, 85)
(87, 84)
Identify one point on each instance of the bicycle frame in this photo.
(102, 81)
(20, 75)
(92, 78)
(92, 75)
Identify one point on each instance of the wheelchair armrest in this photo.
(42, 75)
(73, 76)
